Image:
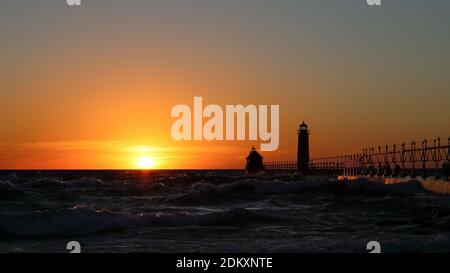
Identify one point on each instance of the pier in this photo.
(423, 159)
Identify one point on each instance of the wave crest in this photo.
(9, 190)
(83, 221)
(370, 185)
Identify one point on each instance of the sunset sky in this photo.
(92, 87)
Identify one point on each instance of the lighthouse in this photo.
(254, 162)
(303, 148)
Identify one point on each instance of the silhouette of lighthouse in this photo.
(303, 148)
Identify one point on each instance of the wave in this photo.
(80, 221)
(45, 182)
(76, 221)
(205, 192)
(84, 182)
(263, 187)
(236, 216)
(52, 183)
(13, 177)
(9, 190)
(371, 185)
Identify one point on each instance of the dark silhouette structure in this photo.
(445, 170)
(254, 162)
(303, 149)
(387, 169)
(397, 170)
(392, 161)
(380, 170)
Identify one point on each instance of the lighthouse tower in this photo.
(303, 148)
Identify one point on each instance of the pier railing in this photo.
(281, 166)
(425, 159)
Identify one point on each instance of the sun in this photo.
(146, 162)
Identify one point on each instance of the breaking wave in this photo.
(84, 221)
(55, 183)
(262, 187)
(9, 190)
(371, 185)
(206, 192)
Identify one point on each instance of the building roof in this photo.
(253, 154)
